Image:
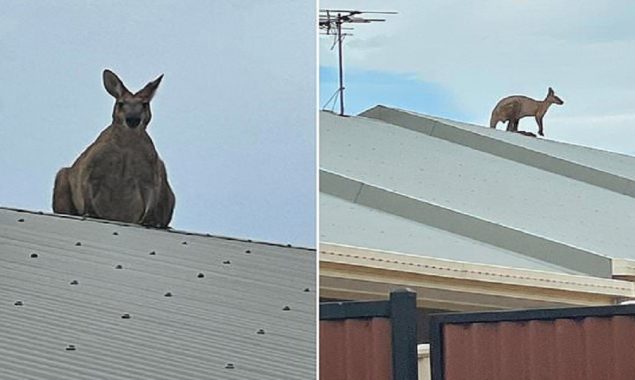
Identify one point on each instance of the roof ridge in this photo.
(167, 230)
(522, 154)
(446, 120)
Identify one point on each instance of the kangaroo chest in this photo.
(124, 169)
(121, 182)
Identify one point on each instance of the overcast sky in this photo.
(458, 58)
(233, 119)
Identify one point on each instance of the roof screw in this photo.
(18, 303)
(261, 332)
(118, 266)
(168, 294)
(200, 275)
(78, 243)
(307, 290)
(289, 245)
(286, 308)
(248, 251)
(184, 243)
(152, 253)
(229, 366)
(226, 262)
(74, 282)
(115, 233)
(70, 347)
(20, 220)
(125, 316)
(34, 255)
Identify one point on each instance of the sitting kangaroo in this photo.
(119, 176)
(513, 108)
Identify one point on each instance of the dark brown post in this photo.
(403, 317)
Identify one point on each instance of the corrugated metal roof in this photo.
(85, 299)
(455, 179)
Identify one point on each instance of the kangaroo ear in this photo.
(550, 91)
(148, 91)
(114, 85)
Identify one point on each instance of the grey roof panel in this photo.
(207, 323)
(479, 184)
(610, 162)
(360, 226)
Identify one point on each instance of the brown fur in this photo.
(119, 176)
(514, 108)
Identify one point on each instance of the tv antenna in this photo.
(330, 23)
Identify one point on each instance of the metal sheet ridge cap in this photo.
(536, 158)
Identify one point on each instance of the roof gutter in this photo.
(353, 272)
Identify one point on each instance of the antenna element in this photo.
(330, 23)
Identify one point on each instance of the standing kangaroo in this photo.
(119, 176)
(513, 108)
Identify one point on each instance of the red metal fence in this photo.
(556, 344)
(373, 340)
(355, 349)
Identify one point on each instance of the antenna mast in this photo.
(330, 23)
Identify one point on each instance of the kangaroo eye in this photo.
(120, 104)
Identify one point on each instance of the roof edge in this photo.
(624, 269)
(394, 261)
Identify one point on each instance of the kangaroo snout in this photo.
(133, 122)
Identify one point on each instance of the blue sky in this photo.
(457, 58)
(233, 119)
(366, 88)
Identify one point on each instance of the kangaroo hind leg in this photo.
(62, 197)
(514, 116)
(512, 125)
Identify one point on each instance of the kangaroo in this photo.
(513, 108)
(120, 175)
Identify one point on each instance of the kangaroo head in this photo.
(552, 98)
(132, 111)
